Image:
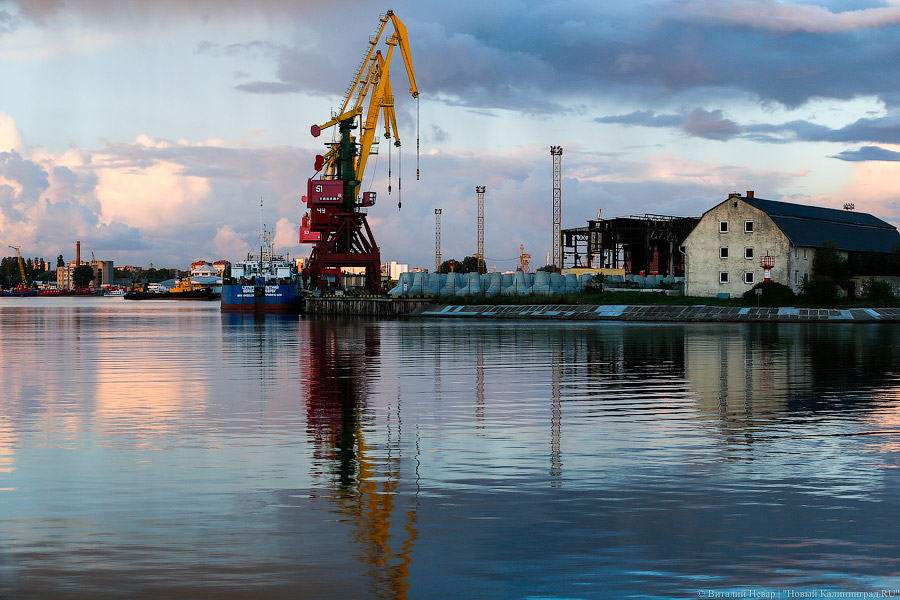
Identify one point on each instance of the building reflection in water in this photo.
(365, 475)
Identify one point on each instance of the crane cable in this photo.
(417, 138)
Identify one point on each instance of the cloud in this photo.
(645, 118)
(867, 153)
(10, 137)
(269, 87)
(287, 234)
(710, 125)
(229, 243)
(779, 17)
(153, 198)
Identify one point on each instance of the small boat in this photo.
(21, 290)
(51, 291)
(117, 291)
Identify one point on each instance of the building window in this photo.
(796, 277)
(723, 251)
(796, 253)
(748, 226)
(748, 277)
(723, 276)
(748, 253)
(723, 226)
(804, 254)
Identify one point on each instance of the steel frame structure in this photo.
(649, 243)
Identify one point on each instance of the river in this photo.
(160, 449)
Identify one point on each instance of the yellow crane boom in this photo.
(372, 81)
(21, 262)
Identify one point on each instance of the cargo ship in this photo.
(265, 283)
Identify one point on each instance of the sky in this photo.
(165, 131)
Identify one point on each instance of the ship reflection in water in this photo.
(235, 457)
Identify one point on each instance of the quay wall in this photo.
(663, 313)
(378, 307)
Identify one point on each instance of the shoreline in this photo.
(660, 313)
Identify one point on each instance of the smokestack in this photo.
(77, 253)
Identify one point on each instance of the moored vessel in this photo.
(263, 283)
(21, 290)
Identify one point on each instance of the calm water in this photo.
(162, 450)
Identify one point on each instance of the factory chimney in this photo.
(77, 253)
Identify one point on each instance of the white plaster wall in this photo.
(703, 244)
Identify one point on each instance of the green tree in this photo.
(828, 263)
(548, 268)
(819, 290)
(468, 265)
(447, 264)
(878, 292)
(82, 275)
(594, 285)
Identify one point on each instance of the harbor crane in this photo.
(21, 262)
(336, 223)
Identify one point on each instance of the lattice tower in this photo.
(556, 153)
(480, 254)
(437, 240)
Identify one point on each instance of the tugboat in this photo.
(22, 290)
(263, 283)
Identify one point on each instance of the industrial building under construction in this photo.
(648, 244)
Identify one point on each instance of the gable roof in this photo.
(813, 225)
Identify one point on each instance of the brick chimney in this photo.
(77, 253)
(733, 195)
(750, 193)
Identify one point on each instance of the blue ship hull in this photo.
(268, 298)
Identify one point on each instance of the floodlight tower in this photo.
(556, 153)
(437, 240)
(479, 189)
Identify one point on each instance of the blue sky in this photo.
(150, 130)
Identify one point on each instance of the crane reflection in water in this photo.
(365, 475)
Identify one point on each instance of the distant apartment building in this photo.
(221, 267)
(393, 269)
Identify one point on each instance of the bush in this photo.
(773, 294)
(595, 284)
(819, 290)
(878, 292)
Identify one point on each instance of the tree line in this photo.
(470, 265)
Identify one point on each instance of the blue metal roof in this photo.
(813, 225)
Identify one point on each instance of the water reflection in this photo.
(359, 448)
(292, 457)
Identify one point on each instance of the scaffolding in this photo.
(648, 244)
